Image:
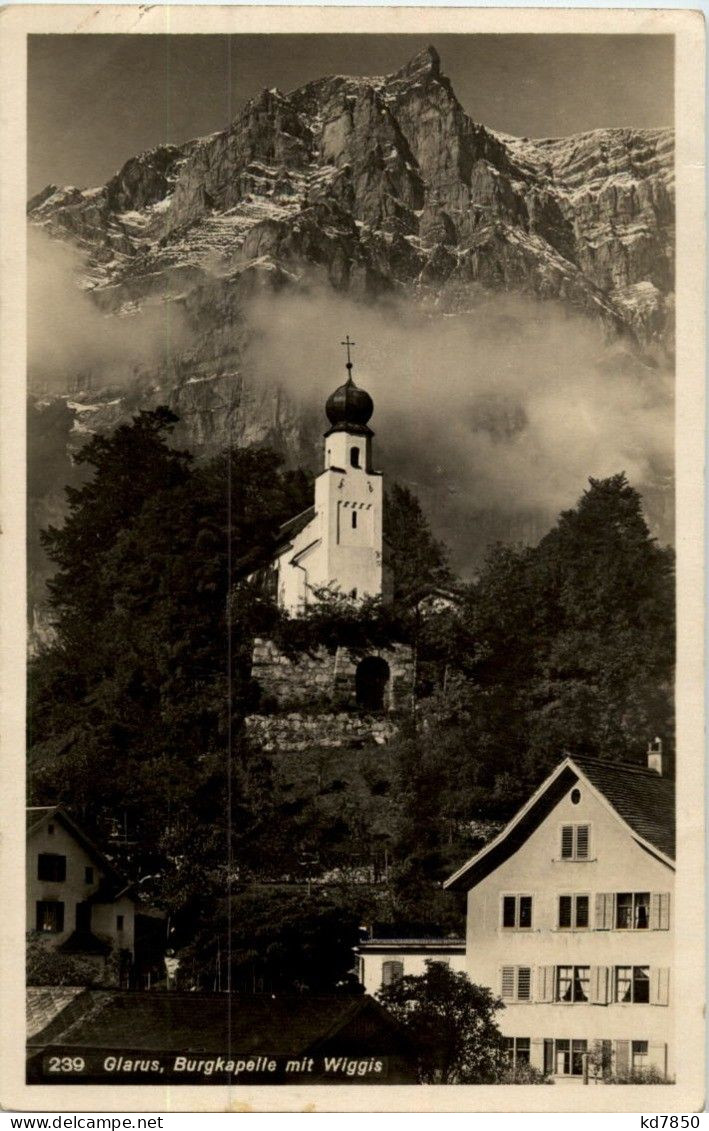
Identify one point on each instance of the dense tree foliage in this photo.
(136, 708)
(418, 561)
(272, 939)
(451, 1022)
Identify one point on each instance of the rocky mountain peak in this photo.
(427, 63)
(377, 187)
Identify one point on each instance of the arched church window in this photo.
(354, 457)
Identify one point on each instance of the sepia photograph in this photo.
(351, 381)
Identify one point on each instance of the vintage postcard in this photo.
(352, 507)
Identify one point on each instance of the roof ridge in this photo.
(620, 766)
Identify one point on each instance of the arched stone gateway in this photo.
(371, 680)
(372, 683)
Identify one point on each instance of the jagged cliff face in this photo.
(385, 183)
(377, 187)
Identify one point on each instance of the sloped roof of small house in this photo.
(44, 1003)
(115, 883)
(210, 1023)
(408, 944)
(641, 798)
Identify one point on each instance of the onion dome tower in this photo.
(349, 410)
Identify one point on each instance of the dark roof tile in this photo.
(211, 1023)
(644, 799)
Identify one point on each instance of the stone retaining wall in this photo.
(300, 731)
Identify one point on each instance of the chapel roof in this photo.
(349, 408)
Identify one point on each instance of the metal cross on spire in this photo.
(349, 344)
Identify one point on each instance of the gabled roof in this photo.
(210, 1023)
(640, 798)
(644, 799)
(115, 882)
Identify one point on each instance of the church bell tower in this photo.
(349, 494)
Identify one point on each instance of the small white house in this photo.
(77, 901)
(569, 921)
(383, 961)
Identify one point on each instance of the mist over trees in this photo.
(136, 706)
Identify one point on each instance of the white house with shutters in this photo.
(569, 920)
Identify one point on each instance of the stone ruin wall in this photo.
(327, 678)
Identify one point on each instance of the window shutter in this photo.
(600, 985)
(524, 983)
(660, 911)
(582, 840)
(660, 985)
(604, 911)
(545, 983)
(622, 1057)
(567, 842)
(507, 987)
(548, 1057)
(392, 972)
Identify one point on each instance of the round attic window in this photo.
(575, 796)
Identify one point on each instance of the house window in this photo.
(50, 829)
(50, 916)
(564, 1058)
(639, 1055)
(51, 866)
(392, 972)
(632, 984)
(573, 912)
(354, 520)
(354, 457)
(516, 983)
(572, 983)
(516, 1050)
(517, 911)
(632, 910)
(119, 922)
(575, 842)
(88, 874)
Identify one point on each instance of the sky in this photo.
(96, 100)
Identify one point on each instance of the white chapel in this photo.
(337, 543)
